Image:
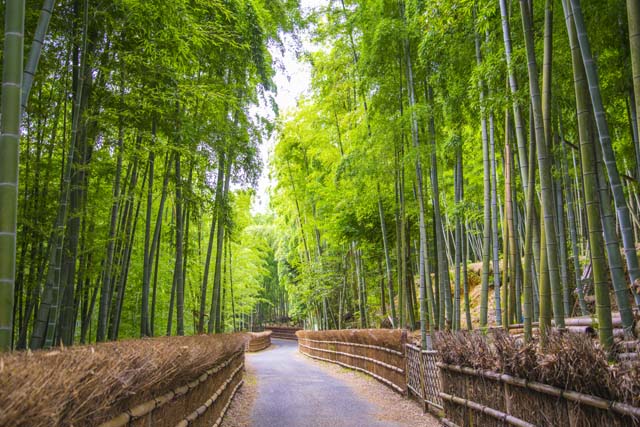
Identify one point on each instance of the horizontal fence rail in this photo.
(258, 341)
(354, 356)
(478, 397)
(351, 361)
(384, 363)
(355, 344)
(282, 332)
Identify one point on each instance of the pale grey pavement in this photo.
(294, 392)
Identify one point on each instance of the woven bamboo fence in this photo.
(475, 397)
(258, 341)
(283, 332)
(423, 378)
(202, 402)
(375, 352)
(169, 381)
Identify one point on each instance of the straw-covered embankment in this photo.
(160, 381)
(497, 379)
(258, 341)
(283, 332)
(376, 352)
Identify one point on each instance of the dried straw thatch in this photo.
(258, 341)
(569, 361)
(283, 332)
(87, 385)
(389, 338)
(256, 335)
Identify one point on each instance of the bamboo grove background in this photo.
(464, 164)
(136, 131)
(455, 164)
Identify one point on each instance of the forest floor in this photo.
(284, 388)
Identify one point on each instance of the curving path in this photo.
(295, 391)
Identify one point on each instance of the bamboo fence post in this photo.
(421, 373)
(507, 399)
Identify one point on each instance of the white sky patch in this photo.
(293, 79)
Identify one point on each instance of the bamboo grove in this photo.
(464, 164)
(138, 131)
(454, 165)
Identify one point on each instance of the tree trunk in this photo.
(145, 329)
(486, 231)
(233, 304)
(564, 274)
(45, 326)
(387, 259)
(590, 179)
(361, 294)
(35, 52)
(528, 282)
(37, 255)
(155, 242)
(207, 263)
(155, 284)
(633, 17)
(420, 195)
(9, 161)
(572, 226)
(130, 233)
(515, 244)
(621, 290)
(508, 282)
(624, 220)
(443, 267)
(513, 85)
(222, 211)
(399, 259)
(410, 294)
(544, 164)
(458, 238)
(178, 279)
(494, 220)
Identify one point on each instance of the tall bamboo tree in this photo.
(13, 52)
(622, 210)
(544, 169)
(589, 176)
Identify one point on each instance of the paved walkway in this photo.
(294, 391)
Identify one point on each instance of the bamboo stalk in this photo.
(574, 321)
(589, 321)
(510, 419)
(9, 165)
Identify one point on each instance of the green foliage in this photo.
(138, 84)
(159, 80)
(351, 134)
